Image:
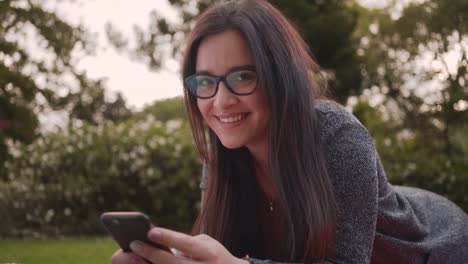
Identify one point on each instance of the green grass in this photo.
(67, 250)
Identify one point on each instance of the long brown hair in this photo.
(286, 70)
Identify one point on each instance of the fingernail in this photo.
(155, 234)
(135, 246)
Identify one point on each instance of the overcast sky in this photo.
(133, 79)
(138, 85)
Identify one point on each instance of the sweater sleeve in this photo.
(352, 166)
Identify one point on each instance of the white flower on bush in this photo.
(67, 211)
(49, 215)
(69, 149)
(141, 150)
(153, 143)
(20, 186)
(173, 125)
(147, 123)
(177, 149)
(80, 145)
(161, 141)
(45, 158)
(133, 155)
(132, 133)
(119, 129)
(149, 172)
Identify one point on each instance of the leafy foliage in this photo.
(407, 61)
(409, 159)
(38, 73)
(164, 110)
(328, 27)
(416, 62)
(60, 184)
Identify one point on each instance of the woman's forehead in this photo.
(221, 52)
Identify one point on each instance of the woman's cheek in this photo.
(204, 108)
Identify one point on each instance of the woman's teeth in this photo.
(231, 119)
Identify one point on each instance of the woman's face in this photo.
(237, 120)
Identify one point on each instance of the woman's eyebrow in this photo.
(203, 72)
(242, 67)
(238, 67)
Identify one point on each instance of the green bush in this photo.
(417, 157)
(61, 183)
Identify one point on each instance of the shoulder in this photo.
(335, 119)
(347, 145)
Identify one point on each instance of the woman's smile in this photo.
(231, 118)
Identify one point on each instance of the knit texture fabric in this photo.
(376, 221)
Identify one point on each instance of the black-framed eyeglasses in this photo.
(239, 81)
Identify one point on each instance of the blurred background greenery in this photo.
(401, 69)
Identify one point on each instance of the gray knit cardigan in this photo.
(378, 222)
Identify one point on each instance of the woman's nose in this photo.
(224, 98)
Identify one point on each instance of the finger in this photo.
(152, 254)
(120, 257)
(190, 246)
(182, 258)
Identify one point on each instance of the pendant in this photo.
(271, 206)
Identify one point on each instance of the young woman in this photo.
(289, 176)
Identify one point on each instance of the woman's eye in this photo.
(205, 82)
(244, 76)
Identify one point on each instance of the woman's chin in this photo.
(231, 144)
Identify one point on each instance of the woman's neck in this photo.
(260, 154)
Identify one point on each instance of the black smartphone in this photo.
(126, 227)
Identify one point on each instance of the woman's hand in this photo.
(189, 250)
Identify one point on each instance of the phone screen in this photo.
(126, 227)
